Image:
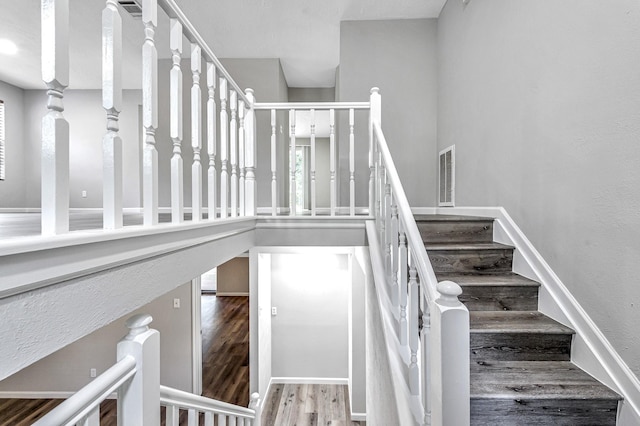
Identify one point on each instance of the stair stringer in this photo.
(590, 350)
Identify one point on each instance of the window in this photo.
(1, 140)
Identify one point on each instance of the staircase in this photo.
(521, 369)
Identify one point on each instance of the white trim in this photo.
(309, 381)
(358, 417)
(320, 211)
(196, 335)
(591, 350)
(232, 293)
(43, 395)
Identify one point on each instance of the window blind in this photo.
(2, 165)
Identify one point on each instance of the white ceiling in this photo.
(304, 34)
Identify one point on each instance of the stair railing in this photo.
(136, 380)
(432, 324)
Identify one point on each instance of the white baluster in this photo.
(175, 120)
(208, 418)
(139, 399)
(450, 357)
(192, 417)
(150, 112)
(222, 420)
(395, 296)
(387, 239)
(292, 163)
(240, 421)
(375, 115)
(233, 421)
(93, 418)
(404, 282)
(332, 160)
(196, 133)
(274, 184)
(112, 103)
(55, 128)
(352, 166)
(414, 298)
(425, 335)
(211, 140)
(233, 152)
(241, 112)
(172, 415)
(250, 193)
(224, 149)
(313, 162)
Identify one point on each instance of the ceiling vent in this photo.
(133, 7)
(447, 178)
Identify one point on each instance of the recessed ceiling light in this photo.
(7, 47)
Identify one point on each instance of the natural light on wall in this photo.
(2, 140)
(7, 47)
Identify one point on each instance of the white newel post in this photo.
(55, 128)
(250, 192)
(112, 103)
(150, 112)
(175, 121)
(211, 140)
(375, 115)
(255, 404)
(292, 162)
(241, 112)
(450, 357)
(139, 399)
(233, 151)
(224, 144)
(196, 133)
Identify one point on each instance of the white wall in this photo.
(87, 124)
(399, 57)
(541, 100)
(12, 189)
(67, 370)
(310, 331)
(357, 332)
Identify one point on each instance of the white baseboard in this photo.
(42, 395)
(309, 381)
(359, 417)
(232, 293)
(591, 350)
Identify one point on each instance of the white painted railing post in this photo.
(352, 166)
(250, 192)
(55, 128)
(312, 166)
(139, 399)
(212, 182)
(414, 372)
(175, 121)
(450, 357)
(292, 163)
(112, 103)
(255, 404)
(395, 296)
(333, 192)
(150, 112)
(241, 112)
(274, 183)
(196, 133)
(375, 115)
(404, 282)
(224, 149)
(425, 362)
(233, 151)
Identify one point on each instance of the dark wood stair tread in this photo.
(508, 279)
(450, 218)
(466, 246)
(515, 322)
(535, 380)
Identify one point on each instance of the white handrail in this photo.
(172, 9)
(186, 400)
(423, 265)
(311, 105)
(82, 403)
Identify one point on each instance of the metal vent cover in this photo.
(447, 177)
(133, 7)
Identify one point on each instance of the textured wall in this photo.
(541, 99)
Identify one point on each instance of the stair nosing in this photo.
(560, 329)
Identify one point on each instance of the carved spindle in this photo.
(395, 296)
(414, 298)
(274, 184)
(313, 162)
(196, 133)
(425, 336)
(233, 151)
(241, 112)
(175, 121)
(224, 144)
(375, 115)
(211, 140)
(404, 282)
(250, 193)
(150, 112)
(332, 160)
(112, 103)
(352, 165)
(292, 163)
(55, 128)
